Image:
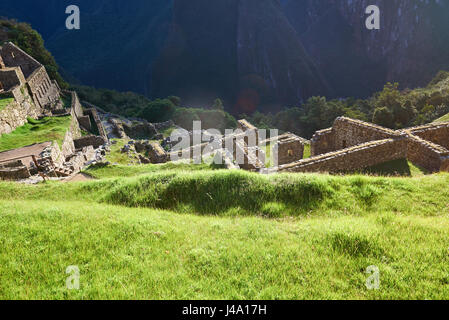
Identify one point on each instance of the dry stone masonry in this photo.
(26, 84)
(353, 144)
(288, 149)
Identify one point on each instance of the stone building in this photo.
(30, 93)
(289, 148)
(352, 145)
(18, 68)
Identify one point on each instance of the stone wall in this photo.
(350, 132)
(84, 120)
(287, 150)
(92, 112)
(16, 113)
(322, 142)
(90, 140)
(85, 123)
(76, 105)
(54, 153)
(436, 133)
(346, 133)
(13, 56)
(42, 89)
(74, 132)
(244, 125)
(426, 154)
(11, 77)
(13, 171)
(353, 158)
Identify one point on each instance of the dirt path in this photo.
(78, 178)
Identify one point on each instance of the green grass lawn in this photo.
(36, 131)
(400, 167)
(443, 118)
(127, 253)
(226, 235)
(307, 151)
(167, 132)
(114, 171)
(183, 231)
(4, 102)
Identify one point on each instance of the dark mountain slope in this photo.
(243, 51)
(116, 45)
(266, 52)
(411, 46)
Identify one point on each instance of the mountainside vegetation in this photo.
(29, 40)
(392, 108)
(36, 131)
(254, 54)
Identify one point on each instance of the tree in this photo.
(218, 104)
(175, 100)
(384, 117)
(158, 111)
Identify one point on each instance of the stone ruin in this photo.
(353, 145)
(289, 148)
(348, 146)
(33, 95)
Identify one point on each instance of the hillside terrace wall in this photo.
(92, 112)
(91, 140)
(17, 112)
(74, 132)
(353, 158)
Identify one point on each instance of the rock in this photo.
(125, 149)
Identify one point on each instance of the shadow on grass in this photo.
(220, 191)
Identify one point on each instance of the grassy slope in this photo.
(127, 253)
(337, 227)
(36, 131)
(5, 102)
(443, 118)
